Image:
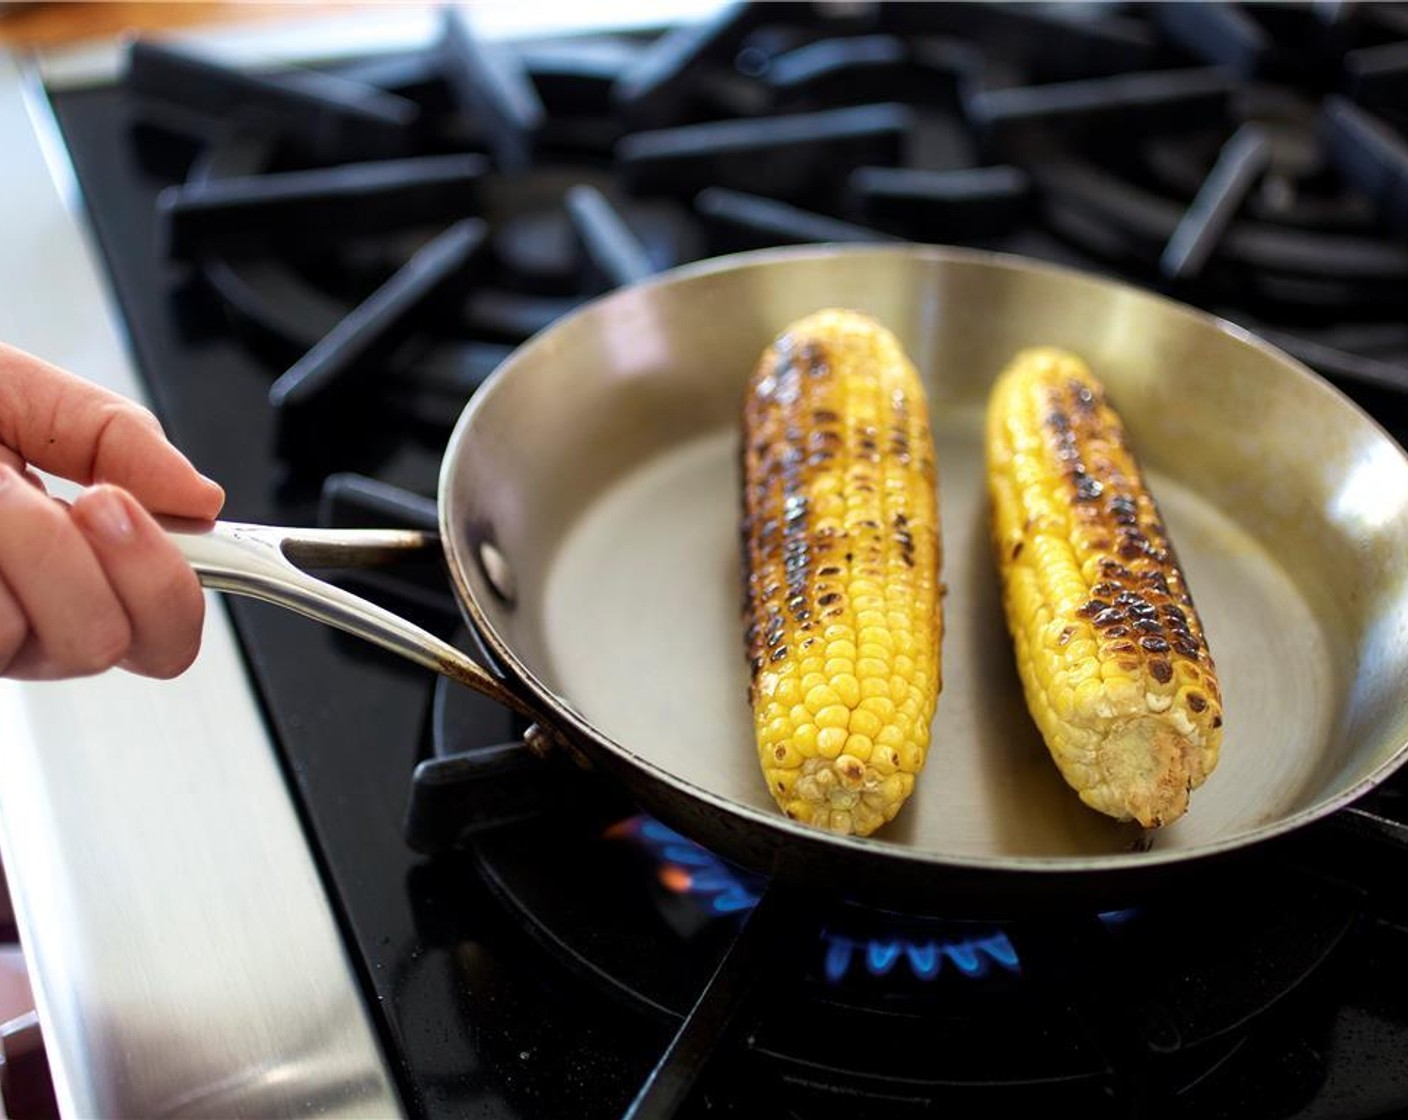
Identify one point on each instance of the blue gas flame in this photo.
(926, 959)
(686, 868)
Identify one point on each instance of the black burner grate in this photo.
(1249, 186)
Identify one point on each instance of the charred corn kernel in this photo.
(784, 754)
(884, 761)
(841, 548)
(850, 771)
(1113, 661)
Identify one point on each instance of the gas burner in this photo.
(1164, 994)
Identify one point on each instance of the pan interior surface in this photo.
(602, 465)
(641, 613)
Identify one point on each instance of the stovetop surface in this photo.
(497, 988)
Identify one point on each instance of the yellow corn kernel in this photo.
(836, 715)
(830, 740)
(847, 688)
(864, 722)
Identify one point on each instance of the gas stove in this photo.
(308, 878)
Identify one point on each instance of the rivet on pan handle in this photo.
(265, 562)
(494, 566)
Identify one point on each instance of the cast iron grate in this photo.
(1245, 159)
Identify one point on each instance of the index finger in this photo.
(71, 427)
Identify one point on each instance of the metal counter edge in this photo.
(184, 954)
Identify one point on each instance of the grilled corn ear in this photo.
(1116, 671)
(841, 557)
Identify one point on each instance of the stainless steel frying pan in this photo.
(588, 505)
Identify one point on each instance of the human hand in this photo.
(92, 584)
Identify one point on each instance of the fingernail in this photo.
(106, 515)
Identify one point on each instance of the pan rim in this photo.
(782, 830)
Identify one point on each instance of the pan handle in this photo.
(266, 562)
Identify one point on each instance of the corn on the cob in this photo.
(841, 556)
(1116, 671)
